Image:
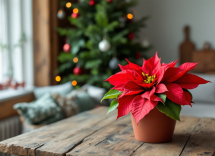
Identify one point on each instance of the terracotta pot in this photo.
(155, 127)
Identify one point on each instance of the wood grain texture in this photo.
(116, 140)
(71, 138)
(93, 133)
(26, 144)
(181, 135)
(202, 140)
(6, 107)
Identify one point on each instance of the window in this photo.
(16, 20)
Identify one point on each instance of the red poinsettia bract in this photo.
(140, 85)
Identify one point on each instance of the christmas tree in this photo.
(102, 34)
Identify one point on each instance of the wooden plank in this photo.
(175, 146)
(6, 107)
(27, 143)
(202, 140)
(42, 50)
(116, 140)
(71, 138)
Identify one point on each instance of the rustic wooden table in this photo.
(94, 133)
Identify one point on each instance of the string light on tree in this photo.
(75, 10)
(60, 14)
(92, 2)
(58, 78)
(74, 83)
(68, 4)
(75, 60)
(130, 17)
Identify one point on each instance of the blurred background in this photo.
(55, 54)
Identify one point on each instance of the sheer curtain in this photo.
(16, 20)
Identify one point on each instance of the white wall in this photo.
(168, 17)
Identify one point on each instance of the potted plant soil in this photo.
(153, 95)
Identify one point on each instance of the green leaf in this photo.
(114, 104)
(163, 97)
(111, 94)
(171, 109)
(93, 63)
(76, 45)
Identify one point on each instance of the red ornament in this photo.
(66, 47)
(109, 1)
(131, 36)
(77, 71)
(92, 2)
(74, 15)
(138, 55)
(1, 86)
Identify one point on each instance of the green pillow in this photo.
(82, 99)
(40, 110)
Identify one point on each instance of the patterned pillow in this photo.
(82, 99)
(67, 105)
(40, 110)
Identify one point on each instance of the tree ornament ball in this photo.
(74, 15)
(77, 71)
(131, 36)
(109, 1)
(113, 64)
(92, 2)
(145, 43)
(66, 47)
(138, 55)
(104, 45)
(60, 14)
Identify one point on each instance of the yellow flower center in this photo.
(149, 79)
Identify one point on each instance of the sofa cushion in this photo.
(96, 93)
(82, 99)
(62, 89)
(67, 105)
(44, 110)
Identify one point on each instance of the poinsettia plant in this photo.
(140, 89)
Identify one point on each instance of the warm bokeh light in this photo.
(74, 82)
(58, 78)
(68, 4)
(60, 11)
(75, 10)
(129, 16)
(75, 60)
